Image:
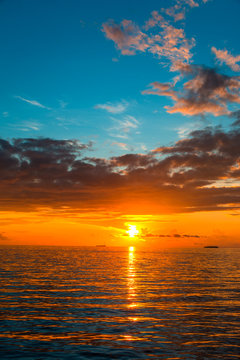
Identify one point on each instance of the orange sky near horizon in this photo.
(121, 127)
(49, 227)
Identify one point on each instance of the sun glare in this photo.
(131, 248)
(132, 230)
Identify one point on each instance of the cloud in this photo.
(191, 3)
(32, 102)
(176, 12)
(149, 235)
(134, 161)
(116, 108)
(123, 146)
(3, 237)
(223, 56)
(127, 36)
(187, 176)
(236, 115)
(27, 126)
(63, 104)
(123, 127)
(158, 36)
(205, 91)
(129, 122)
(185, 129)
(146, 234)
(170, 42)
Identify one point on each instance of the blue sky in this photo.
(61, 77)
(119, 112)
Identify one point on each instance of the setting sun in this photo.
(119, 179)
(132, 231)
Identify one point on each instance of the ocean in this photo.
(104, 303)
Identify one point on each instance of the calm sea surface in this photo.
(76, 303)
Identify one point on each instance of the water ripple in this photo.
(78, 303)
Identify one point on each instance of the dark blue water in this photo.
(76, 303)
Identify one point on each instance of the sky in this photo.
(120, 115)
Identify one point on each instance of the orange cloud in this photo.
(170, 42)
(207, 91)
(225, 57)
(127, 36)
(191, 3)
(176, 12)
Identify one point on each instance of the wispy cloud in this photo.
(113, 108)
(143, 147)
(223, 56)
(124, 126)
(185, 130)
(123, 146)
(32, 102)
(27, 126)
(62, 104)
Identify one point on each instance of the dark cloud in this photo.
(3, 237)
(236, 115)
(201, 172)
(134, 161)
(181, 236)
(205, 91)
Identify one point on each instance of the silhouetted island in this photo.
(211, 247)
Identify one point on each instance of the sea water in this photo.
(92, 303)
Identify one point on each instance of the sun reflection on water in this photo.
(131, 278)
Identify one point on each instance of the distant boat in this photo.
(211, 247)
(100, 246)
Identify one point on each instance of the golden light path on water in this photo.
(91, 303)
(131, 280)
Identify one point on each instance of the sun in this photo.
(132, 231)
